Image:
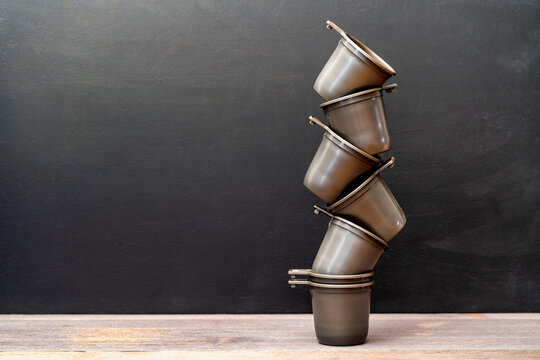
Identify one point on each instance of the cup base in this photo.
(333, 342)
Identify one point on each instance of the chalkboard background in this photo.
(153, 152)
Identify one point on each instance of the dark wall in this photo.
(153, 152)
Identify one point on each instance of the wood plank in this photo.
(454, 354)
(399, 336)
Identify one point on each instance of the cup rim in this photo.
(365, 51)
(360, 93)
(365, 183)
(331, 286)
(308, 272)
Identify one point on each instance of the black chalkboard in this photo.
(152, 153)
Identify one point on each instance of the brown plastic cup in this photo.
(347, 248)
(335, 164)
(340, 311)
(373, 206)
(361, 119)
(352, 66)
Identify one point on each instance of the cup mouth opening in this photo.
(369, 54)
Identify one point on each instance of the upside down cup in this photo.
(340, 311)
(373, 206)
(361, 119)
(347, 248)
(335, 164)
(352, 66)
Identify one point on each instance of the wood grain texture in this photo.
(398, 336)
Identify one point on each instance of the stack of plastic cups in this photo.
(345, 173)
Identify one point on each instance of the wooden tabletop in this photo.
(396, 336)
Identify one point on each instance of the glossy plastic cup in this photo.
(352, 67)
(373, 206)
(335, 164)
(347, 248)
(361, 119)
(340, 311)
